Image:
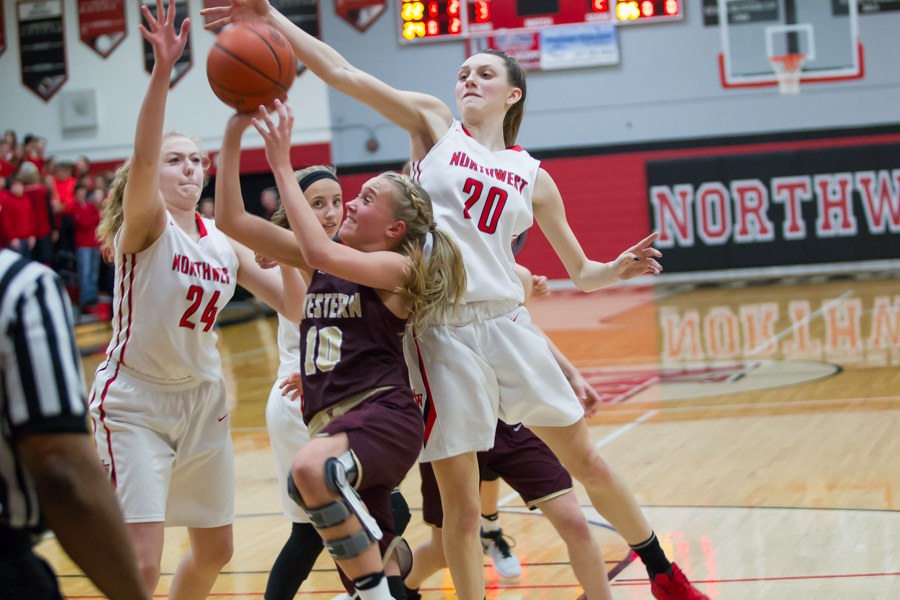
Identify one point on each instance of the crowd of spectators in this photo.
(49, 211)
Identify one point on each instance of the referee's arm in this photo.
(75, 496)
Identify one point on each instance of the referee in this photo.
(49, 472)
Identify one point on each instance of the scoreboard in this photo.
(432, 20)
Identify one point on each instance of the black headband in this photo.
(313, 177)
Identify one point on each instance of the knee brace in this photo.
(339, 473)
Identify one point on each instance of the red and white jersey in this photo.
(167, 298)
(482, 198)
(288, 347)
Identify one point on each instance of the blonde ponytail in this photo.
(436, 283)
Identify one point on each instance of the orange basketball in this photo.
(250, 64)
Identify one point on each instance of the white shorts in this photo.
(466, 376)
(167, 448)
(287, 434)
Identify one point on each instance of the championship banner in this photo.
(359, 13)
(42, 49)
(101, 24)
(302, 13)
(767, 210)
(185, 61)
(2, 30)
(568, 47)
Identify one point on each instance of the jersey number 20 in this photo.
(490, 214)
(323, 349)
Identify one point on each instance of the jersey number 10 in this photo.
(323, 349)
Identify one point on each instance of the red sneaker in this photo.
(674, 586)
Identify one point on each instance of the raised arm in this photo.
(232, 218)
(425, 117)
(381, 270)
(284, 292)
(587, 275)
(143, 208)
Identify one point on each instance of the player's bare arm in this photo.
(143, 207)
(586, 274)
(232, 218)
(425, 117)
(383, 270)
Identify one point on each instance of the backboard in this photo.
(754, 32)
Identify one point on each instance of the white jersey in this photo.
(482, 198)
(167, 298)
(288, 347)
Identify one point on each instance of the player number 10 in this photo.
(323, 349)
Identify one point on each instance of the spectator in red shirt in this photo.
(64, 186)
(86, 216)
(34, 149)
(42, 213)
(16, 218)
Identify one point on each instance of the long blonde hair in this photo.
(436, 284)
(112, 213)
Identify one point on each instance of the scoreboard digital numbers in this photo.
(434, 20)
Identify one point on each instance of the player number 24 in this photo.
(490, 214)
(208, 317)
(327, 355)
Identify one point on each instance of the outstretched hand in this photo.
(640, 259)
(167, 47)
(277, 137)
(238, 10)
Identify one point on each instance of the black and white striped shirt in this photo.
(41, 383)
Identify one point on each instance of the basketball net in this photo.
(788, 69)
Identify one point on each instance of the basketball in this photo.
(250, 64)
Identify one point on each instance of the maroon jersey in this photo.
(350, 342)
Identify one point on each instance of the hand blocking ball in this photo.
(250, 64)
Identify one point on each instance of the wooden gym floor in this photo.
(757, 425)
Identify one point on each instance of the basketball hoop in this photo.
(788, 69)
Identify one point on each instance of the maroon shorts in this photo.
(520, 458)
(385, 434)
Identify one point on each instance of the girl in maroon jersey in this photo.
(486, 189)
(393, 270)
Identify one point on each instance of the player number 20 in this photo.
(323, 349)
(490, 214)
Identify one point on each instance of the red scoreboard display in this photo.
(433, 20)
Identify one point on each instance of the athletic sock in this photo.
(294, 562)
(412, 594)
(652, 556)
(490, 522)
(373, 586)
(398, 590)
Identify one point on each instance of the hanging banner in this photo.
(214, 4)
(102, 24)
(567, 47)
(2, 30)
(359, 13)
(302, 13)
(185, 61)
(42, 49)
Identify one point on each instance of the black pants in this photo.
(23, 574)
